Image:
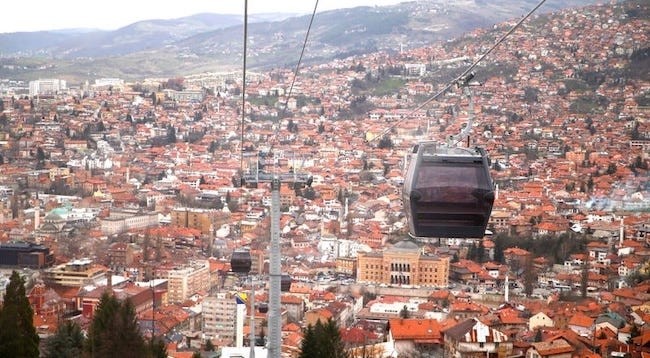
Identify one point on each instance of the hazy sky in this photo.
(36, 15)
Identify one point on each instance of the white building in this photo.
(46, 87)
(106, 83)
(219, 316)
(183, 282)
(124, 220)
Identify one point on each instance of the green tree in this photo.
(18, 336)
(209, 346)
(530, 276)
(584, 278)
(480, 252)
(40, 154)
(68, 342)
(158, 348)
(404, 313)
(114, 330)
(308, 347)
(323, 341)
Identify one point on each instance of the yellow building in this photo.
(403, 264)
(199, 219)
(75, 273)
(346, 265)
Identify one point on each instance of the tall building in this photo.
(46, 87)
(182, 282)
(219, 316)
(25, 254)
(403, 264)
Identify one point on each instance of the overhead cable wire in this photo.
(461, 78)
(302, 52)
(243, 91)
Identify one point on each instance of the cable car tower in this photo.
(251, 178)
(279, 282)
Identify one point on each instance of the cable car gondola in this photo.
(448, 191)
(285, 283)
(263, 307)
(240, 261)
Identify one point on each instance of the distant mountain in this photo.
(211, 42)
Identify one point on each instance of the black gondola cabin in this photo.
(240, 261)
(285, 283)
(448, 191)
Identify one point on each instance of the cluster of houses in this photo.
(133, 189)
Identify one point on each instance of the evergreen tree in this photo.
(158, 348)
(584, 278)
(323, 341)
(68, 342)
(308, 347)
(209, 346)
(18, 336)
(114, 330)
(404, 313)
(480, 252)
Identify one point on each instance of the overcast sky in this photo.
(36, 15)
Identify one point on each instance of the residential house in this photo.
(557, 348)
(472, 338)
(581, 324)
(415, 335)
(538, 320)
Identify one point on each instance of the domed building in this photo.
(55, 224)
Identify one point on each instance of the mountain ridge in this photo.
(213, 42)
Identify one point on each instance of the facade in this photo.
(120, 255)
(25, 254)
(124, 220)
(540, 320)
(75, 273)
(219, 316)
(403, 264)
(182, 282)
(187, 95)
(472, 338)
(46, 87)
(199, 219)
(109, 83)
(346, 265)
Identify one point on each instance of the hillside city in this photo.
(133, 188)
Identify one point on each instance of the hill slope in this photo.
(210, 42)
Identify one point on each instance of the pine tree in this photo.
(158, 348)
(18, 336)
(323, 341)
(308, 346)
(68, 342)
(114, 330)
